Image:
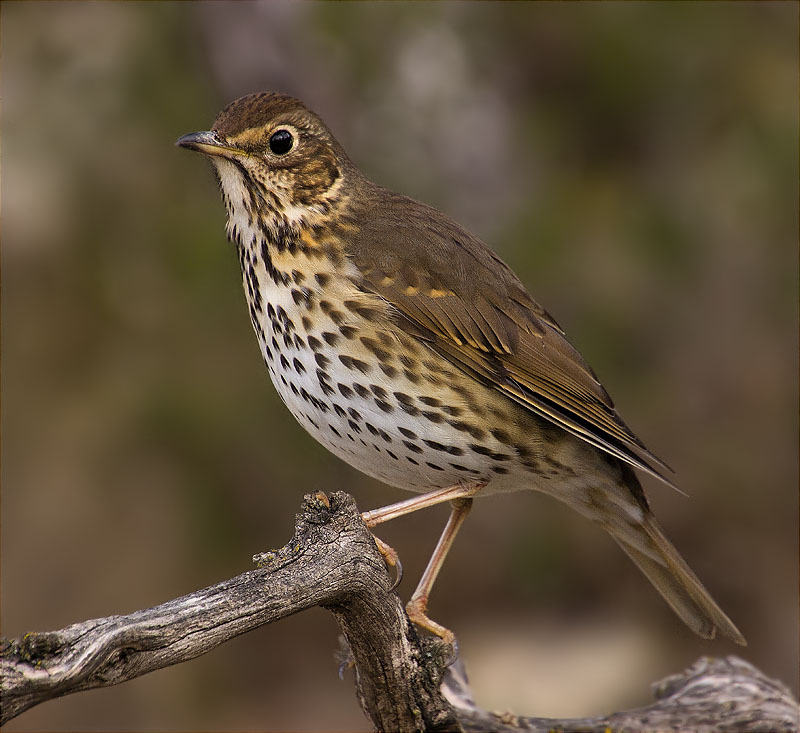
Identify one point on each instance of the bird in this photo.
(407, 347)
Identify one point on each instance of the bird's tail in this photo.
(658, 559)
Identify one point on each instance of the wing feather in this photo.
(452, 292)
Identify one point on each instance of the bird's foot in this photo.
(392, 560)
(417, 614)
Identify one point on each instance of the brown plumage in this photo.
(481, 319)
(408, 348)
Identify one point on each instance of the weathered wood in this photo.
(712, 696)
(332, 561)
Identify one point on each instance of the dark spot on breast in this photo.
(434, 417)
(408, 433)
(366, 312)
(433, 466)
(326, 388)
(501, 435)
(330, 338)
(361, 390)
(298, 366)
(465, 427)
(347, 331)
(345, 390)
(459, 467)
(411, 377)
(322, 278)
(413, 447)
(410, 409)
(484, 451)
(352, 363)
(314, 343)
(385, 406)
(522, 451)
(452, 449)
(339, 410)
(371, 344)
(322, 360)
(284, 362)
(354, 426)
(336, 316)
(430, 401)
(499, 469)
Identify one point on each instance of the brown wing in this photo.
(453, 292)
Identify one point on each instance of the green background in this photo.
(635, 163)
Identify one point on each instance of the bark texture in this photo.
(402, 682)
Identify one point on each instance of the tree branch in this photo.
(332, 561)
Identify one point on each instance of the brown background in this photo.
(635, 163)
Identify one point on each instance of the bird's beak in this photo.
(208, 143)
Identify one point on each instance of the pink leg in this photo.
(415, 503)
(417, 606)
(460, 498)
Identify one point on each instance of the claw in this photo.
(392, 559)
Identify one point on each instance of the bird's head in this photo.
(276, 161)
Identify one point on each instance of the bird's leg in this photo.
(415, 503)
(418, 605)
(460, 498)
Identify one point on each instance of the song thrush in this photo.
(409, 349)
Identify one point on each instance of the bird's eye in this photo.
(281, 142)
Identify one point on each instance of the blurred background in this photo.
(636, 164)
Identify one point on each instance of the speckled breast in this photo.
(370, 393)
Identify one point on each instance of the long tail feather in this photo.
(658, 559)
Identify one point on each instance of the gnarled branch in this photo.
(332, 561)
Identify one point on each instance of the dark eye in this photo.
(281, 142)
